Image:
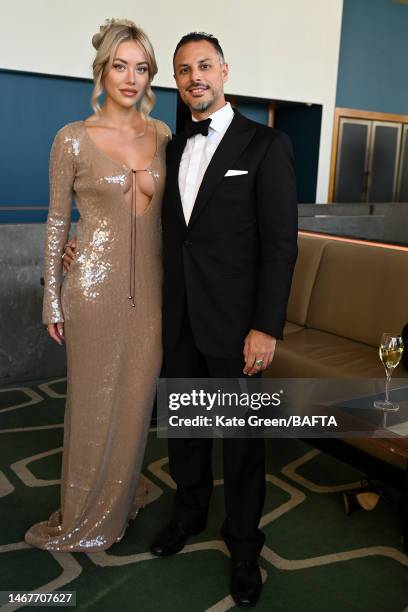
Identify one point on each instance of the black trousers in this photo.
(190, 460)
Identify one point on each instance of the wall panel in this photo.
(276, 50)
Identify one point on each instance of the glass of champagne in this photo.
(391, 349)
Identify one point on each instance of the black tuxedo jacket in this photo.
(233, 263)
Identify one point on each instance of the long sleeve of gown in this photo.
(62, 174)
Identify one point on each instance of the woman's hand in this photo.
(56, 331)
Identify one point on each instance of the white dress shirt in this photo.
(197, 155)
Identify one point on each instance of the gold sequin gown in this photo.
(113, 348)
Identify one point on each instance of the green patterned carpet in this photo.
(315, 558)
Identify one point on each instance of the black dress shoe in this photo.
(171, 540)
(246, 583)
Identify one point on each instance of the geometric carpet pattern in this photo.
(315, 558)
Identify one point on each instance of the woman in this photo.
(109, 308)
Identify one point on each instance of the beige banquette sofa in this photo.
(344, 295)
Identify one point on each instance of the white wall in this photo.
(276, 49)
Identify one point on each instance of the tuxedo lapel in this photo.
(172, 172)
(235, 140)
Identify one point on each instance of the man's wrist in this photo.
(262, 332)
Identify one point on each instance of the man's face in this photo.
(200, 77)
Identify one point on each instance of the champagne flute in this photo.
(391, 349)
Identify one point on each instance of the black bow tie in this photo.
(192, 128)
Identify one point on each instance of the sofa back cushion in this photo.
(304, 276)
(360, 291)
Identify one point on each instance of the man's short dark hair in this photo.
(196, 37)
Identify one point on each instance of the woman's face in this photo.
(126, 80)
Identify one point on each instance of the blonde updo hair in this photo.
(106, 41)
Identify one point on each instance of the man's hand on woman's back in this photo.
(69, 253)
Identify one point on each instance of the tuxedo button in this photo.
(187, 243)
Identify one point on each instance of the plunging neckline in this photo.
(116, 162)
(133, 212)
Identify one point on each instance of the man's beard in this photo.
(201, 107)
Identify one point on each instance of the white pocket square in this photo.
(236, 172)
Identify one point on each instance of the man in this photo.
(229, 248)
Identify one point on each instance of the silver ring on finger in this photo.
(259, 363)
